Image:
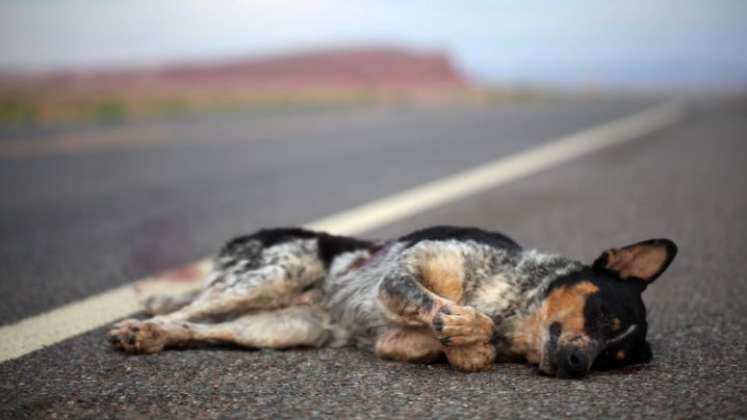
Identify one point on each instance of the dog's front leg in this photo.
(407, 303)
(465, 332)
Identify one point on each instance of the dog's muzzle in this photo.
(574, 358)
(569, 357)
(572, 362)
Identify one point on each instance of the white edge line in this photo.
(75, 318)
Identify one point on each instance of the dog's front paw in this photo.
(471, 358)
(462, 325)
(135, 336)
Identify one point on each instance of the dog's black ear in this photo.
(643, 262)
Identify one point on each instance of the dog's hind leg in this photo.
(268, 278)
(162, 305)
(270, 287)
(296, 326)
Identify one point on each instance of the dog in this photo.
(466, 295)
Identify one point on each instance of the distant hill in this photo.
(369, 68)
(338, 78)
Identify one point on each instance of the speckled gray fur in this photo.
(251, 265)
(503, 284)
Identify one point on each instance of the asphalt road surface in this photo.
(82, 219)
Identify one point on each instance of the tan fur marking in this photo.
(564, 305)
(615, 324)
(525, 340)
(641, 261)
(620, 355)
(443, 273)
(471, 358)
(409, 345)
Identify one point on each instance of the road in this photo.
(85, 218)
(95, 218)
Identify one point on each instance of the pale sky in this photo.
(639, 42)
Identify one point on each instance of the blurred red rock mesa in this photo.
(310, 80)
(364, 68)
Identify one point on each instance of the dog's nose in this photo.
(577, 361)
(572, 363)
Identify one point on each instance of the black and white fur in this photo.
(290, 287)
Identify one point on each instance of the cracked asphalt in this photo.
(687, 182)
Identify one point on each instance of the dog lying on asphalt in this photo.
(471, 296)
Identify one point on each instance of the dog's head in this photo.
(595, 317)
